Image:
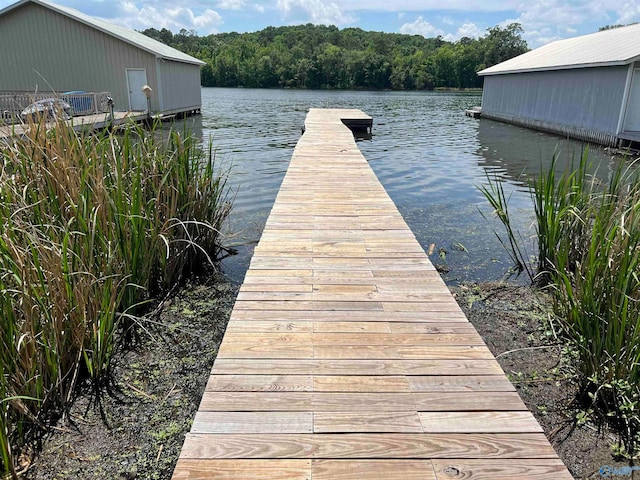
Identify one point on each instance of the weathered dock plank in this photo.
(368, 446)
(346, 357)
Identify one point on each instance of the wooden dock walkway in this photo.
(346, 357)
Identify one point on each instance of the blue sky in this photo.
(542, 20)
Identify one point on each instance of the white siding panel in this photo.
(586, 99)
(180, 86)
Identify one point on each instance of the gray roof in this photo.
(618, 46)
(132, 37)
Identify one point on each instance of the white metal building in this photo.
(586, 87)
(47, 47)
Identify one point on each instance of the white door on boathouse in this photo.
(136, 79)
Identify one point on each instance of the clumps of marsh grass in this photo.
(588, 241)
(596, 279)
(91, 227)
(562, 218)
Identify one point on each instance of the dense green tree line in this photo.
(316, 56)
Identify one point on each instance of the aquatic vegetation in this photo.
(513, 245)
(92, 226)
(588, 243)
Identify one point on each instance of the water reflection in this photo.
(518, 155)
(427, 154)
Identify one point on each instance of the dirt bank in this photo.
(517, 324)
(137, 429)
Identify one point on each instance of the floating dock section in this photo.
(473, 112)
(346, 356)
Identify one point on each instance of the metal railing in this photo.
(82, 103)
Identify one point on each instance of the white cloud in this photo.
(129, 7)
(174, 19)
(545, 21)
(542, 20)
(559, 12)
(314, 11)
(421, 27)
(231, 4)
(205, 21)
(470, 30)
(447, 20)
(629, 13)
(433, 5)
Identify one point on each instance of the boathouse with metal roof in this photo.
(48, 47)
(586, 87)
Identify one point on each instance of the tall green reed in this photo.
(597, 296)
(91, 227)
(588, 244)
(559, 205)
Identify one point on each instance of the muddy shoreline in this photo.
(517, 324)
(137, 429)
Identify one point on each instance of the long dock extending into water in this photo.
(346, 357)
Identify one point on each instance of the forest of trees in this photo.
(316, 56)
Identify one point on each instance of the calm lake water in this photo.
(427, 154)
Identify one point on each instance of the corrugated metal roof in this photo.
(618, 46)
(132, 37)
